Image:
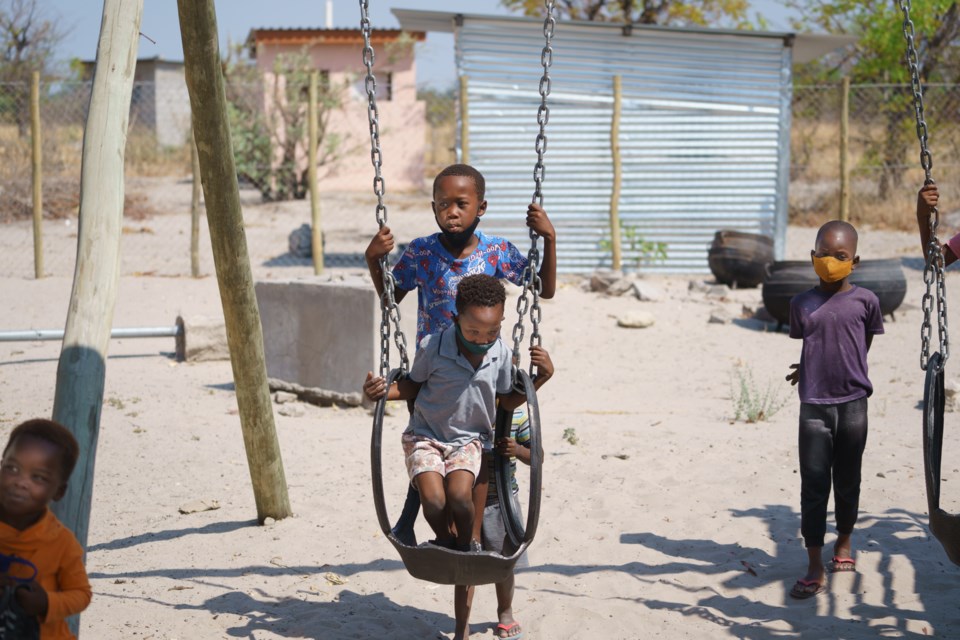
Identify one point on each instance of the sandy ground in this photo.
(666, 518)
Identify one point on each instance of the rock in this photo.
(290, 410)
(300, 241)
(268, 521)
(601, 279)
(646, 292)
(698, 286)
(717, 292)
(763, 315)
(636, 320)
(620, 287)
(317, 396)
(283, 397)
(196, 506)
(720, 316)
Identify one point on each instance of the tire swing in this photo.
(427, 561)
(944, 526)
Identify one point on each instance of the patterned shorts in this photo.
(425, 454)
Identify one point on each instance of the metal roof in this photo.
(806, 46)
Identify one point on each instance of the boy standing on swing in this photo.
(837, 321)
(435, 264)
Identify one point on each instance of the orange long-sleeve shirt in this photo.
(59, 560)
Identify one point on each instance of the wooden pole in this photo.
(195, 210)
(208, 104)
(80, 374)
(316, 236)
(37, 176)
(845, 149)
(464, 122)
(617, 173)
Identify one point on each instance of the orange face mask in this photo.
(829, 269)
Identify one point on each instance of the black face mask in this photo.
(457, 240)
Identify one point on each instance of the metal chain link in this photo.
(388, 304)
(531, 276)
(933, 269)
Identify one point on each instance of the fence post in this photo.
(208, 106)
(37, 175)
(617, 172)
(195, 209)
(845, 149)
(316, 235)
(464, 122)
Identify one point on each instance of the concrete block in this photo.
(202, 339)
(324, 333)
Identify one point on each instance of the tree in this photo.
(728, 13)
(27, 42)
(879, 56)
(268, 122)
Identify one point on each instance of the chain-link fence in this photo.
(882, 156)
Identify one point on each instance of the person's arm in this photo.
(927, 200)
(375, 387)
(511, 448)
(72, 596)
(538, 221)
(381, 245)
(541, 360)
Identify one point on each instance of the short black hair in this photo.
(480, 290)
(839, 225)
(52, 432)
(466, 171)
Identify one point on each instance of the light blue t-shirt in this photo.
(457, 403)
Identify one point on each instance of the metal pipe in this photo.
(57, 334)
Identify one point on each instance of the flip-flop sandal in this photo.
(801, 590)
(842, 565)
(507, 628)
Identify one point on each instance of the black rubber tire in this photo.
(739, 259)
(787, 278)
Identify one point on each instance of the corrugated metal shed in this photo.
(704, 132)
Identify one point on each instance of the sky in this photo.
(235, 19)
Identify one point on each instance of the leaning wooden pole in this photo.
(36, 175)
(194, 210)
(96, 277)
(208, 104)
(845, 149)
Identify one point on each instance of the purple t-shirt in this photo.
(428, 267)
(834, 328)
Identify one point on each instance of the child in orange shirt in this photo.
(44, 561)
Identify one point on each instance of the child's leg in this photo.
(403, 530)
(462, 604)
(480, 496)
(817, 424)
(507, 627)
(430, 484)
(459, 487)
(851, 439)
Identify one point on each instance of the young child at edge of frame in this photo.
(459, 373)
(927, 200)
(836, 321)
(434, 265)
(494, 535)
(37, 462)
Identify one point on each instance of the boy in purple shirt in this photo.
(837, 321)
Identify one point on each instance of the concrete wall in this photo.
(323, 333)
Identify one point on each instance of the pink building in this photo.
(337, 54)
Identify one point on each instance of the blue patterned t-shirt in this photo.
(428, 267)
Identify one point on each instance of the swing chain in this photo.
(531, 276)
(933, 268)
(388, 304)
